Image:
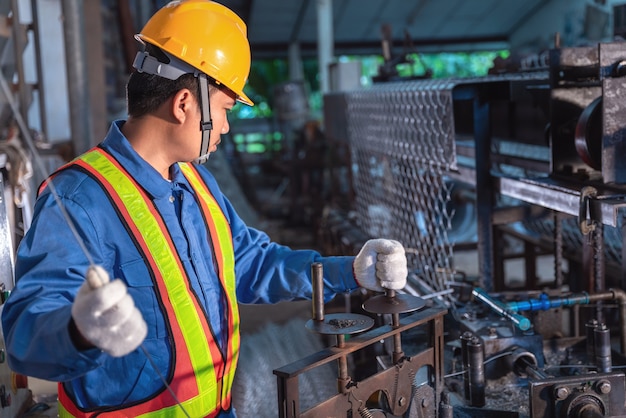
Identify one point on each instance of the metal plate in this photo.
(400, 303)
(342, 323)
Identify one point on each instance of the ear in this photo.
(182, 104)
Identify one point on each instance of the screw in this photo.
(604, 386)
(561, 393)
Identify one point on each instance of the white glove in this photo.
(106, 315)
(380, 265)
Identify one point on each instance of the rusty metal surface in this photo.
(396, 382)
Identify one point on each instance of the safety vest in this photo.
(203, 376)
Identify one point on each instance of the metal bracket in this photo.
(586, 222)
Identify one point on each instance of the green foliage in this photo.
(266, 74)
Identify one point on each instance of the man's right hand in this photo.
(106, 316)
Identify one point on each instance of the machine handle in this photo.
(520, 321)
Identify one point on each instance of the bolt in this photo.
(425, 403)
(604, 386)
(401, 401)
(561, 393)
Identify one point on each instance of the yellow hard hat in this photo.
(208, 36)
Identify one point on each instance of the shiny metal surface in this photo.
(6, 243)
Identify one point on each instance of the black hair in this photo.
(146, 92)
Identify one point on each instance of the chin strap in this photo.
(206, 123)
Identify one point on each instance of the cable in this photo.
(490, 359)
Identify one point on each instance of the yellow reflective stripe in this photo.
(62, 412)
(192, 408)
(228, 264)
(195, 339)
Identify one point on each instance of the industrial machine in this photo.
(15, 397)
(523, 166)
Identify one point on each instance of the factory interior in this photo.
(483, 135)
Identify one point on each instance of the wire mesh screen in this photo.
(401, 138)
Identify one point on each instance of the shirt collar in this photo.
(144, 174)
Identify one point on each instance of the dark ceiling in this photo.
(357, 24)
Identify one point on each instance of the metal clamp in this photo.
(586, 222)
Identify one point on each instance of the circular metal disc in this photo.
(341, 323)
(400, 303)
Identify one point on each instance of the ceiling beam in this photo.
(279, 50)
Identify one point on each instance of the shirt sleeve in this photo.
(268, 272)
(50, 267)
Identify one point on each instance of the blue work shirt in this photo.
(51, 264)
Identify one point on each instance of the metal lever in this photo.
(520, 321)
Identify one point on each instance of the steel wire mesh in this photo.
(402, 143)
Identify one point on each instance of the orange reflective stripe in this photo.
(199, 363)
(218, 226)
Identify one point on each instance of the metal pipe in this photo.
(395, 323)
(602, 348)
(325, 46)
(620, 296)
(543, 303)
(342, 365)
(590, 327)
(75, 58)
(466, 337)
(445, 409)
(317, 281)
(476, 372)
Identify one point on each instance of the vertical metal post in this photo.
(317, 281)
(296, 72)
(599, 281)
(20, 41)
(476, 357)
(75, 58)
(325, 36)
(6, 243)
(558, 249)
(623, 269)
(466, 337)
(342, 367)
(602, 346)
(438, 345)
(484, 190)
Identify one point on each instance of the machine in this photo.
(522, 166)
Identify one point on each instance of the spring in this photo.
(365, 413)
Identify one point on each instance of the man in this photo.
(162, 339)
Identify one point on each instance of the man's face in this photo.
(222, 101)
